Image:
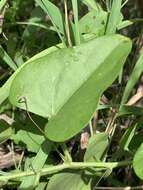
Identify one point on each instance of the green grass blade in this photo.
(55, 16)
(7, 59)
(37, 164)
(91, 3)
(137, 71)
(2, 4)
(76, 22)
(114, 17)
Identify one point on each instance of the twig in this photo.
(134, 99)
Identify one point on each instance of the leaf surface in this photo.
(136, 73)
(67, 181)
(96, 147)
(138, 162)
(66, 85)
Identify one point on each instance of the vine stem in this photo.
(71, 165)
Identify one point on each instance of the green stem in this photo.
(67, 155)
(72, 165)
(67, 28)
(76, 22)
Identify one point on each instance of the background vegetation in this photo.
(91, 135)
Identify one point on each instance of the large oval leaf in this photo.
(66, 85)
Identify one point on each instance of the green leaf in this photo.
(4, 90)
(67, 181)
(125, 142)
(2, 4)
(114, 17)
(124, 24)
(91, 3)
(136, 142)
(138, 162)
(137, 71)
(93, 22)
(41, 186)
(5, 131)
(54, 14)
(27, 134)
(35, 18)
(96, 147)
(127, 137)
(50, 90)
(37, 164)
(130, 110)
(7, 59)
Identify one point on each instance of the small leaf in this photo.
(7, 59)
(124, 24)
(67, 181)
(37, 164)
(27, 133)
(93, 22)
(96, 147)
(5, 131)
(127, 137)
(125, 142)
(41, 186)
(136, 142)
(130, 110)
(138, 162)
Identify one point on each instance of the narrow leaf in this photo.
(54, 14)
(37, 164)
(91, 3)
(114, 17)
(137, 71)
(138, 162)
(2, 4)
(5, 131)
(7, 59)
(96, 147)
(94, 22)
